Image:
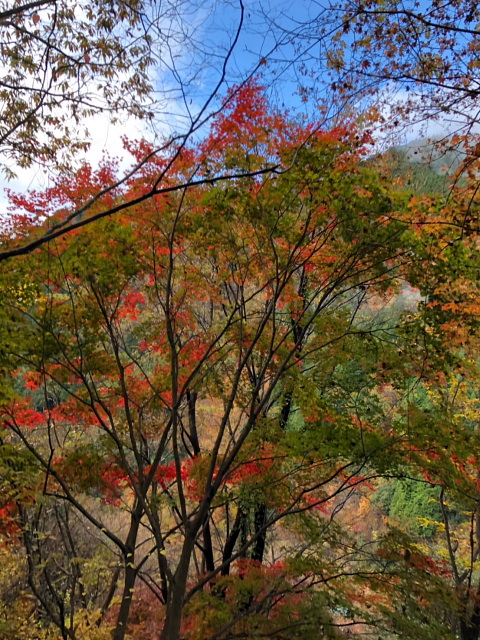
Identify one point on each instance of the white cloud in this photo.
(105, 137)
(415, 124)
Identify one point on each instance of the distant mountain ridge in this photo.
(427, 165)
(441, 155)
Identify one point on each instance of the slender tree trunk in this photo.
(208, 547)
(260, 514)
(130, 575)
(231, 540)
(469, 630)
(123, 614)
(171, 629)
(260, 542)
(470, 624)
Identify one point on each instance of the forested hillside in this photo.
(239, 392)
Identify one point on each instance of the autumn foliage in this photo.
(196, 387)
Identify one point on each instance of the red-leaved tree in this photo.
(195, 387)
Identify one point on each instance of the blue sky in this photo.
(197, 60)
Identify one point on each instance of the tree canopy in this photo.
(239, 392)
(200, 383)
(415, 61)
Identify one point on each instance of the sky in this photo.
(210, 28)
(104, 136)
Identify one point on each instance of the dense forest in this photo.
(239, 371)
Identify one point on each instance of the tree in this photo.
(194, 384)
(439, 415)
(429, 55)
(63, 63)
(414, 62)
(202, 383)
(450, 519)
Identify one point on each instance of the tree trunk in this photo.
(470, 625)
(260, 542)
(130, 574)
(171, 629)
(123, 614)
